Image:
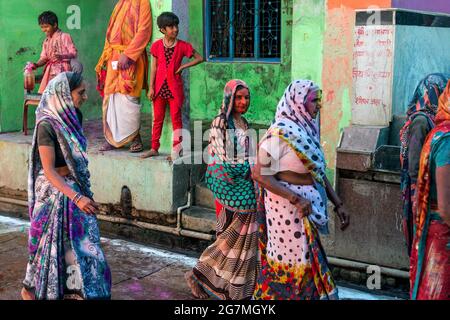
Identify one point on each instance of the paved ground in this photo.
(139, 272)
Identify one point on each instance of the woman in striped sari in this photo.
(227, 269)
(65, 257)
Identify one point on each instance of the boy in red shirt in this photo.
(166, 83)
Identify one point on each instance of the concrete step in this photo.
(199, 219)
(203, 196)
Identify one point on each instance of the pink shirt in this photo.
(58, 43)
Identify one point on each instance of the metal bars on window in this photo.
(243, 29)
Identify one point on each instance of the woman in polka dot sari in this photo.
(228, 268)
(293, 201)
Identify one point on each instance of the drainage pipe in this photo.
(155, 227)
(145, 225)
(204, 236)
(363, 266)
(21, 203)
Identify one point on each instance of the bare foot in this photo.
(106, 147)
(27, 295)
(196, 290)
(151, 153)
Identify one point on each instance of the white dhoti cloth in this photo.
(121, 119)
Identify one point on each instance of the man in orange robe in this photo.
(122, 73)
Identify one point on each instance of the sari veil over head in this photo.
(295, 126)
(65, 255)
(423, 103)
(429, 274)
(57, 108)
(229, 170)
(294, 264)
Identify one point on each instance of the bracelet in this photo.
(77, 198)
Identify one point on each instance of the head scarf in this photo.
(424, 102)
(222, 143)
(441, 129)
(228, 172)
(294, 125)
(57, 108)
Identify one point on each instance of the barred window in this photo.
(243, 30)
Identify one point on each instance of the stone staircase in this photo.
(201, 216)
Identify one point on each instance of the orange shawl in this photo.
(129, 32)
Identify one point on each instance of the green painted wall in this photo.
(22, 42)
(307, 39)
(267, 81)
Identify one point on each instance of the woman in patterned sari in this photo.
(65, 257)
(430, 255)
(228, 268)
(420, 121)
(293, 201)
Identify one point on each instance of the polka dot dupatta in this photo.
(293, 262)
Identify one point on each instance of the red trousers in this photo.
(159, 112)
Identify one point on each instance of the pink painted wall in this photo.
(337, 71)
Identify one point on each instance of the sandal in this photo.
(137, 145)
(106, 147)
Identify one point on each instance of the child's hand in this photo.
(180, 69)
(151, 93)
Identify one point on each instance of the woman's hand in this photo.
(344, 217)
(302, 204)
(87, 205)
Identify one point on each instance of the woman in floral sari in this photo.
(65, 257)
(228, 268)
(420, 120)
(293, 201)
(430, 255)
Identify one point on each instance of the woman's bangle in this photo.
(77, 198)
(76, 194)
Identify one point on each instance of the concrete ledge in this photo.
(199, 219)
(204, 197)
(156, 184)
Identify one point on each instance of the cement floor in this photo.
(139, 272)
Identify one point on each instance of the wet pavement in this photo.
(139, 272)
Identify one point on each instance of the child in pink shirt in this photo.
(58, 49)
